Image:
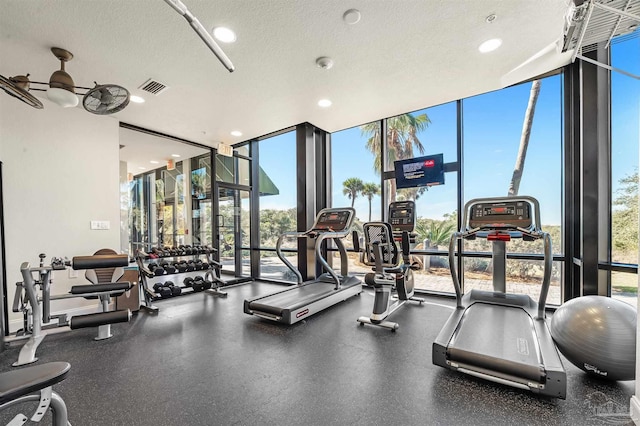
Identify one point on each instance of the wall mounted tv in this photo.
(420, 171)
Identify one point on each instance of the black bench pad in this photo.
(98, 288)
(17, 383)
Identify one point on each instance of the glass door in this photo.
(233, 232)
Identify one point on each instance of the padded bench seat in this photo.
(17, 383)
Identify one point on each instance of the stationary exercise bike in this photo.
(381, 252)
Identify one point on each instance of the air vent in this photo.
(153, 86)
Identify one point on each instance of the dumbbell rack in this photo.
(148, 278)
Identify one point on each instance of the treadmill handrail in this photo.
(281, 238)
(320, 237)
(516, 232)
(546, 280)
(452, 268)
(323, 261)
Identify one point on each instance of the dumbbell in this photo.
(158, 271)
(191, 266)
(181, 266)
(165, 292)
(176, 290)
(208, 284)
(198, 284)
(188, 282)
(170, 269)
(205, 266)
(157, 287)
(197, 264)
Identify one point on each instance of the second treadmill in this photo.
(495, 335)
(298, 302)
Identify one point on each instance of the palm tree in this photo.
(352, 187)
(434, 234)
(402, 138)
(524, 138)
(369, 190)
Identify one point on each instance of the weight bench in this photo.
(38, 308)
(35, 383)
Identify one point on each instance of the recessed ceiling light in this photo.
(154, 162)
(136, 99)
(236, 133)
(175, 155)
(324, 103)
(224, 34)
(490, 45)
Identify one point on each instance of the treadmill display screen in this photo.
(495, 210)
(334, 221)
(402, 216)
(503, 215)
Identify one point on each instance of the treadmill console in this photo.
(500, 215)
(402, 216)
(334, 220)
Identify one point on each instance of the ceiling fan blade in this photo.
(13, 89)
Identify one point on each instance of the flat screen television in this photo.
(420, 171)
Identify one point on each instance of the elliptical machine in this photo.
(381, 252)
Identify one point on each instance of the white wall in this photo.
(60, 172)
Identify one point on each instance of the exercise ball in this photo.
(598, 335)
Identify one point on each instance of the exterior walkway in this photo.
(439, 281)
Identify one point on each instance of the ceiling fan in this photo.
(102, 99)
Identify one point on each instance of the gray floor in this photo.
(202, 361)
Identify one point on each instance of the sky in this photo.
(492, 128)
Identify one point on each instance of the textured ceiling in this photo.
(402, 56)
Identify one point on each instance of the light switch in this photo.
(100, 225)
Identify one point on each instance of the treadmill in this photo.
(495, 335)
(307, 298)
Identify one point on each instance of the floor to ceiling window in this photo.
(412, 135)
(277, 188)
(168, 197)
(625, 125)
(513, 145)
(355, 179)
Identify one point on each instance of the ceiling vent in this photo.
(153, 86)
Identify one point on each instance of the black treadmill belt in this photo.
(293, 298)
(497, 338)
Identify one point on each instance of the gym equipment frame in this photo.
(495, 335)
(381, 252)
(307, 298)
(38, 320)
